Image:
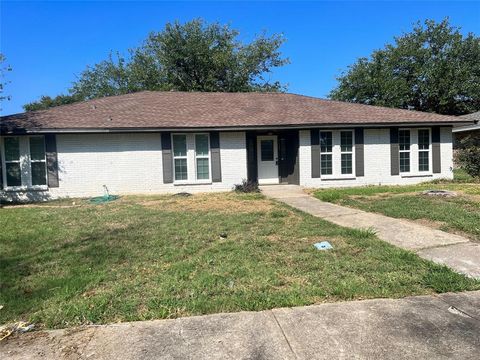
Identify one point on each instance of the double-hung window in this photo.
(180, 157)
(191, 157)
(346, 151)
(423, 150)
(202, 156)
(24, 162)
(326, 153)
(404, 146)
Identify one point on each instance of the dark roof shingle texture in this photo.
(152, 109)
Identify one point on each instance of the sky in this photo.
(48, 44)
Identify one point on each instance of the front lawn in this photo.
(459, 214)
(164, 256)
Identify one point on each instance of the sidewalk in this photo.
(422, 327)
(452, 250)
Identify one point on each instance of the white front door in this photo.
(267, 154)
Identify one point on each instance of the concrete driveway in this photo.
(424, 327)
(452, 250)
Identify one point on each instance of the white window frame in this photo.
(326, 153)
(414, 154)
(337, 156)
(209, 179)
(346, 152)
(428, 151)
(25, 162)
(179, 157)
(409, 151)
(191, 158)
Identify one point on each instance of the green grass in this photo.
(163, 257)
(460, 214)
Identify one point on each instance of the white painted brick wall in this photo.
(377, 162)
(131, 164)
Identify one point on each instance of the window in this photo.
(404, 143)
(12, 161)
(180, 157)
(326, 153)
(202, 156)
(346, 150)
(423, 150)
(266, 150)
(37, 161)
(24, 162)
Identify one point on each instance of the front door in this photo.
(267, 151)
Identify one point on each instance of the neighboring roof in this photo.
(475, 117)
(188, 110)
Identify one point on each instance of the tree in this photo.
(46, 102)
(194, 56)
(433, 68)
(3, 70)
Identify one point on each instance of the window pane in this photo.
(12, 149)
(423, 139)
(423, 161)
(201, 144)
(202, 169)
(266, 147)
(325, 142)
(404, 139)
(37, 148)
(14, 176)
(179, 145)
(404, 162)
(326, 164)
(347, 164)
(346, 140)
(39, 174)
(180, 169)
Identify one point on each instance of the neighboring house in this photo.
(460, 132)
(155, 142)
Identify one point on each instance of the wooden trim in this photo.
(359, 152)
(52, 160)
(436, 153)
(315, 150)
(394, 152)
(215, 156)
(167, 159)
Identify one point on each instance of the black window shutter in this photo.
(436, 155)
(394, 152)
(251, 141)
(215, 156)
(359, 152)
(52, 160)
(167, 159)
(315, 149)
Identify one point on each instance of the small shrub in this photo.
(469, 155)
(247, 186)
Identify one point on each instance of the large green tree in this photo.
(194, 56)
(433, 68)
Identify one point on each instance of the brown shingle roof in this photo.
(177, 110)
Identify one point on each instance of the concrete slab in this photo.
(422, 327)
(452, 250)
(465, 258)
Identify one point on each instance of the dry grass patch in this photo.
(225, 203)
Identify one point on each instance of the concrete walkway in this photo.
(445, 326)
(452, 250)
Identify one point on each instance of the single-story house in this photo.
(460, 132)
(156, 142)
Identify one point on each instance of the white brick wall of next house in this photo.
(377, 162)
(131, 164)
